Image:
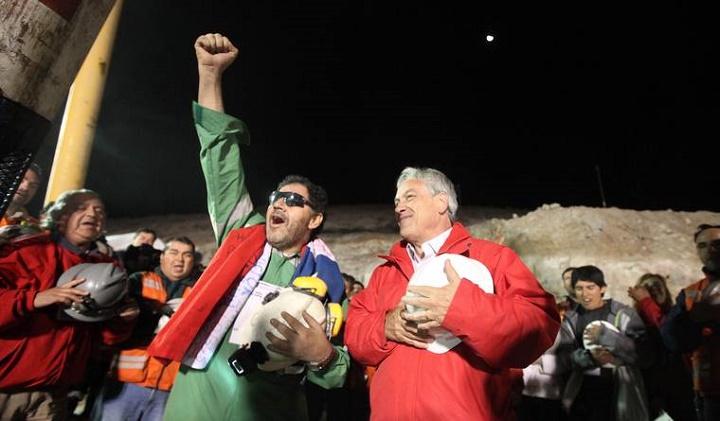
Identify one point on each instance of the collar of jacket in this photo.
(458, 242)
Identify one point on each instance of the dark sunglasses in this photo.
(291, 198)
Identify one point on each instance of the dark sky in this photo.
(571, 104)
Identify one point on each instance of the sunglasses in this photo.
(291, 198)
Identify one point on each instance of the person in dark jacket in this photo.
(693, 324)
(139, 391)
(141, 255)
(668, 380)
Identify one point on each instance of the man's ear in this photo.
(441, 203)
(61, 223)
(315, 221)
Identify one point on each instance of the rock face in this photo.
(623, 243)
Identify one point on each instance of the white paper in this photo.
(251, 305)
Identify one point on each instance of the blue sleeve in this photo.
(678, 331)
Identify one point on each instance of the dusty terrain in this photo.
(623, 243)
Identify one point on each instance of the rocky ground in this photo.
(623, 243)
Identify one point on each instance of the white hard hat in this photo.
(590, 345)
(167, 311)
(432, 273)
(294, 300)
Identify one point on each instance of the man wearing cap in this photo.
(43, 349)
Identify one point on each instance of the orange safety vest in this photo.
(135, 365)
(706, 358)
(21, 219)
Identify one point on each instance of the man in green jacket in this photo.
(255, 250)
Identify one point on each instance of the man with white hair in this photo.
(452, 344)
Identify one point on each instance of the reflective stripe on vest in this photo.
(135, 365)
(151, 283)
(132, 362)
(153, 289)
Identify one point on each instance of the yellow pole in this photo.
(79, 123)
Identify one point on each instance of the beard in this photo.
(283, 238)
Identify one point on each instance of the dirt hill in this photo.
(623, 243)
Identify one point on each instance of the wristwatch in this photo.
(319, 366)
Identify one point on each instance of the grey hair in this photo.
(59, 208)
(435, 182)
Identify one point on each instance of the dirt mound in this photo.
(623, 243)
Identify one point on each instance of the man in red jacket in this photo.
(42, 353)
(451, 346)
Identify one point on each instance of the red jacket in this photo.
(650, 312)
(188, 327)
(36, 349)
(501, 333)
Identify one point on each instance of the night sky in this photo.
(571, 104)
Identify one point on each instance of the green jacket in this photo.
(216, 392)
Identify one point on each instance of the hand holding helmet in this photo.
(289, 326)
(592, 334)
(167, 311)
(65, 295)
(105, 287)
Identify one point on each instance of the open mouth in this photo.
(89, 224)
(276, 219)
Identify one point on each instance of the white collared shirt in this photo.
(430, 248)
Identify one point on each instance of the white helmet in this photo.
(304, 294)
(107, 285)
(432, 273)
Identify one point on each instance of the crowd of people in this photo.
(448, 326)
(655, 360)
